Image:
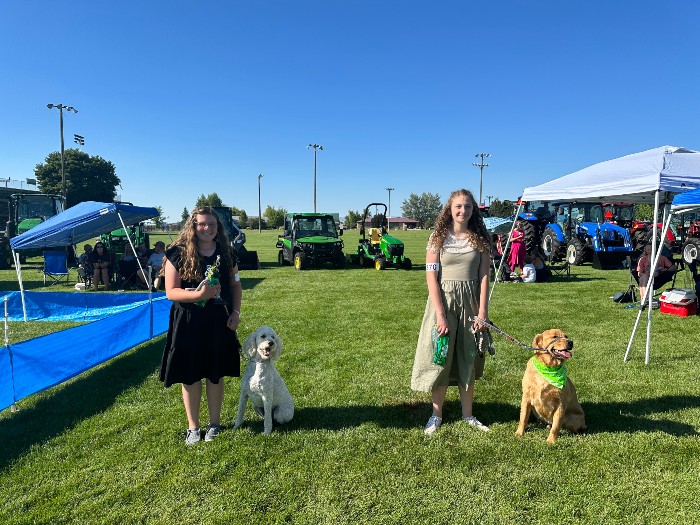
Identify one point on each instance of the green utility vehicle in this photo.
(310, 239)
(378, 248)
(20, 211)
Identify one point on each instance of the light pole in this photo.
(481, 166)
(489, 197)
(260, 176)
(388, 222)
(61, 107)
(316, 147)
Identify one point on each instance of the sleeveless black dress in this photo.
(199, 344)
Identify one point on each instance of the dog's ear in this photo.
(249, 345)
(537, 341)
(278, 343)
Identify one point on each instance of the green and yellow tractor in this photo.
(376, 247)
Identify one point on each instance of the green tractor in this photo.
(310, 240)
(377, 247)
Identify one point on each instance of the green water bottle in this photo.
(440, 345)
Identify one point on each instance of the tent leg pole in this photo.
(505, 250)
(18, 269)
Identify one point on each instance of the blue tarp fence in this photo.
(127, 320)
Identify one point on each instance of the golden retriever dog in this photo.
(553, 401)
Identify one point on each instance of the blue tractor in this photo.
(580, 233)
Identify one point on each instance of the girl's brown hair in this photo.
(189, 245)
(477, 234)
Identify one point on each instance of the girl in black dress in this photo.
(202, 341)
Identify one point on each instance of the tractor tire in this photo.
(407, 264)
(575, 252)
(380, 263)
(691, 250)
(300, 262)
(531, 240)
(551, 245)
(280, 259)
(362, 259)
(339, 261)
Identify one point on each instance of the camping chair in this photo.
(127, 275)
(55, 266)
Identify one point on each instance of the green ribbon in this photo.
(554, 375)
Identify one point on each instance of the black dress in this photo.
(199, 344)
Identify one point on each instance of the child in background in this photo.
(529, 273)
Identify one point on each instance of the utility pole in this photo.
(60, 108)
(388, 222)
(316, 147)
(481, 167)
(260, 176)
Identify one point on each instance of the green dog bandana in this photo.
(555, 376)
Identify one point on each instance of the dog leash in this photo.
(513, 339)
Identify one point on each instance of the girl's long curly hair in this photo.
(189, 245)
(477, 235)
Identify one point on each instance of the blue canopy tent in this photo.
(77, 224)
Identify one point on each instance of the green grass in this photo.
(107, 447)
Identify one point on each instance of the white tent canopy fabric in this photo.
(652, 176)
(632, 178)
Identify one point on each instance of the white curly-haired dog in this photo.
(262, 383)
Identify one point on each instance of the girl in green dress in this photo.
(457, 268)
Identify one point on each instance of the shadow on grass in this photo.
(634, 416)
(83, 398)
(248, 283)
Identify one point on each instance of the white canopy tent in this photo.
(655, 175)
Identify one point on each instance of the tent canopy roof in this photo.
(82, 222)
(686, 202)
(632, 178)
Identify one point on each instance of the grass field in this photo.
(107, 447)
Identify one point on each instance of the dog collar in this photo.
(554, 375)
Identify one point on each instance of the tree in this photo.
(500, 208)
(212, 200)
(185, 215)
(242, 216)
(159, 221)
(643, 212)
(352, 218)
(275, 216)
(253, 223)
(423, 208)
(87, 178)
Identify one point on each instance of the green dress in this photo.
(460, 286)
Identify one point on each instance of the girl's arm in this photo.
(234, 319)
(484, 265)
(432, 262)
(175, 292)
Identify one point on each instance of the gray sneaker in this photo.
(432, 425)
(193, 435)
(472, 421)
(212, 432)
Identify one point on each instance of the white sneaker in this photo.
(432, 425)
(472, 421)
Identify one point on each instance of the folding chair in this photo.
(563, 270)
(55, 266)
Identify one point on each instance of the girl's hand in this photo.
(209, 291)
(233, 321)
(441, 324)
(478, 325)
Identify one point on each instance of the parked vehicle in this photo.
(535, 216)
(580, 231)
(689, 232)
(20, 211)
(247, 260)
(378, 248)
(310, 239)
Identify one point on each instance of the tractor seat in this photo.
(375, 235)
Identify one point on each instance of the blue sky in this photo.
(188, 98)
